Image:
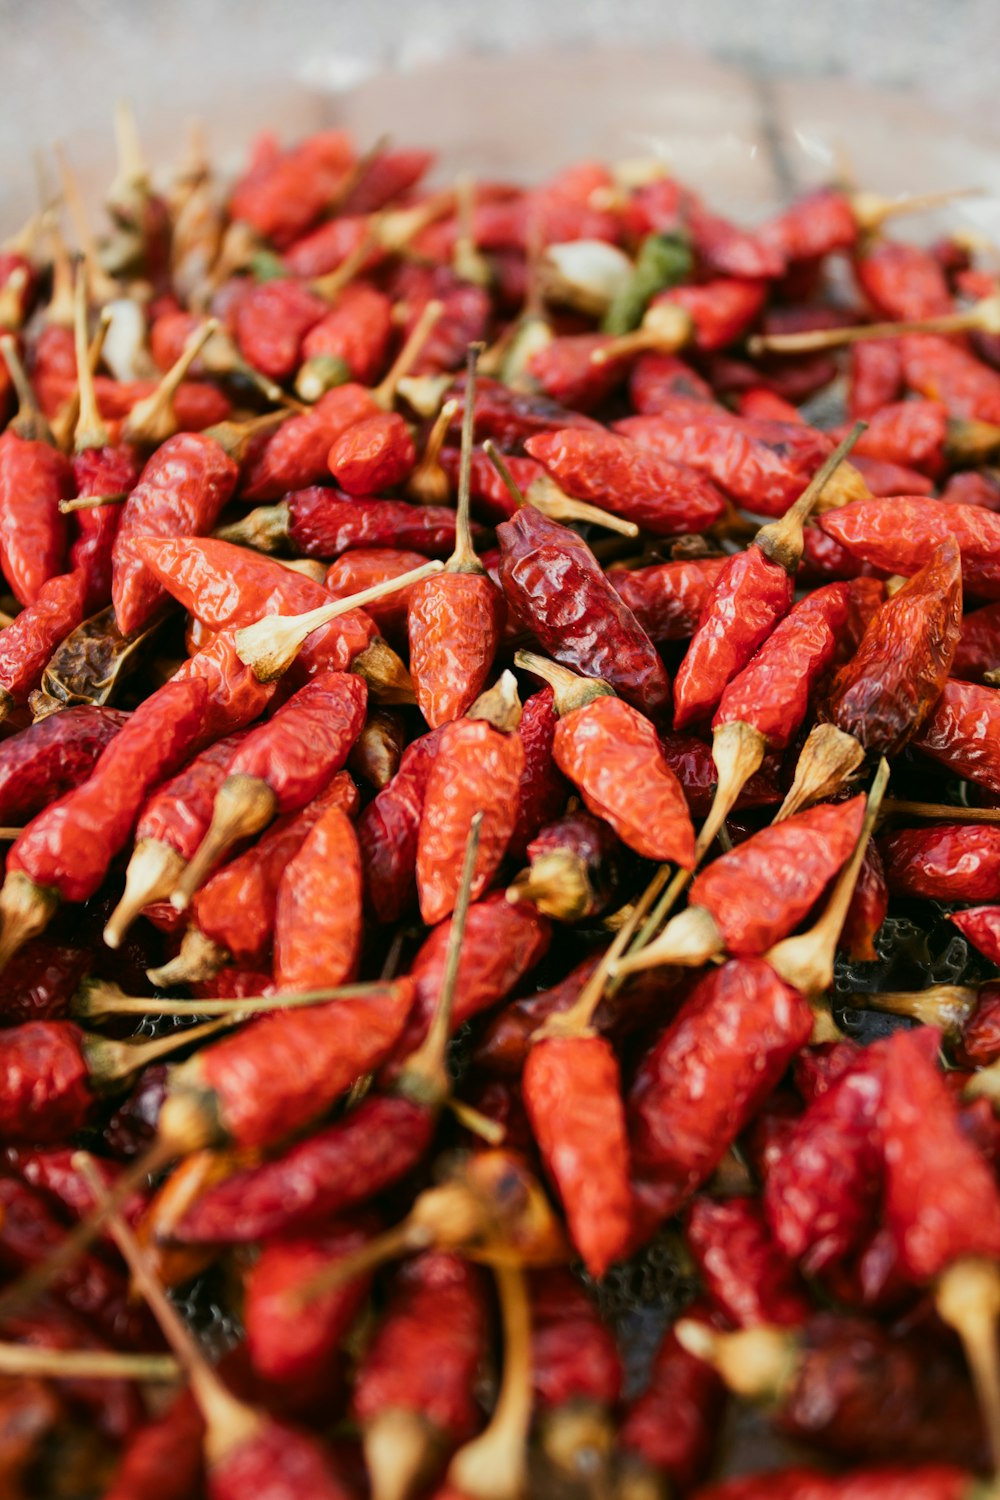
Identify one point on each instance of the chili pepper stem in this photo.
(738, 751)
(473, 1120)
(26, 910)
(85, 1364)
(499, 705)
(571, 692)
(399, 1449)
(271, 645)
(806, 960)
(556, 884)
(99, 997)
(948, 1006)
(428, 484)
(493, 1465)
(872, 209)
(152, 421)
(691, 939)
(405, 1239)
(229, 1422)
(665, 328)
(330, 286)
(29, 422)
(967, 1298)
(90, 502)
(828, 759)
(755, 1363)
(425, 1074)
(384, 394)
(153, 872)
(983, 316)
(243, 806)
(102, 286)
(466, 261)
(91, 430)
(985, 1084)
(902, 808)
(782, 541)
(463, 559)
(545, 495)
(12, 299)
(111, 1063)
(198, 959)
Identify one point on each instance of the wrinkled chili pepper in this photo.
(34, 477)
(318, 523)
(573, 868)
(962, 732)
(317, 923)
(52, 756)
(745, 1274)
(903, 536)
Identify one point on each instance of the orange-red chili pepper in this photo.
(27, 644)
(284, 192)
(295, 456)
(373, 455)
(317, 924)
(945, 862)
(902, 536)
(351, 340)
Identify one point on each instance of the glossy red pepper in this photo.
(876, 377)
(979, 646)
(295, 456)
(375, 454)
(816, 224)
(691, 762)
(566, 373)
(945, 862)
(28, 643)
(668, 598)
(317, 924)
(746, 1276)
(542, 790)
(100, 471)
(41, 980)
(34, 477)
(508, 417)
(388, 829)
(318, 523)
(901, 537)
(963, 733)
(272, 320)
(573, 1353)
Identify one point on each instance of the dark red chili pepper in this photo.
(979, 646)
(719, 312)
(668, 598)
(34, 477)
(746, 1276)
(28, 643)
(868, 909)
(670, 1428)
(317, 924)
(508, 417)
(100, 471)
(41, 980)
(180, 491)
(318, 523)
(981, 925)
(945, 862)
(574, 868)
(971, 487)
(386, 176)
(942, 370)
(661, 381)
(327, 247)
(741, 1026)
(553, 583)
(566, 373)
(888, 480)
(282, 1344)
(574, 1358)
(284, 192)
(876, 377)
(543, 791)
(962, 732)
(387, 832)
(691, 761)
(163, 1461)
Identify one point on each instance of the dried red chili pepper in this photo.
(707, 316)
(943, 371)
(295, 456)
(963, 734)
(542, 791)
(163, 1461)
(387, 832)
(573, 869)
(576, 1374)
(868, 910)
(375, 454)
(172, 824)
(945, 862)
(181, 490)
(53, 1172)
(279, 767)
(668, 598)
(508, 417)
(553, 583)
(610, 752)
(319, 524)
(876, 377)
(349, 343)
(284, 192)
(477, 767)
(272, 320)
(901, 537)
(454, 619)
(361, 569)
(902, 281)
(691, 761)
(41, 980)
(888, 1482)
(64, 853)
(669, 1429)
(27, 644)
(746, 1275)
(34, 477)
(317, 924)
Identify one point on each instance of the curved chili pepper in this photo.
(553, 582)
(388, 831)
(34, 477)
(477, 767)
(295, 456)
(942, 370)
(661, 497)
(100, 471)
(815, 225)
(52, 756)
(508, 416)
(319, 524)
(181, 490)
(280, 766)
(903, 536)
(282, 1344)
(668, 598)
(962, 732)
(747, 1277)
(661, 381)
(27, 644)
(565, 372)
(374, 454)
(946, 862)
(317, 923)
(670, 1427)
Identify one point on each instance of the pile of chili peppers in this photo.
(500, 782)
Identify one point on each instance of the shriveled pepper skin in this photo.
(180, 492)
(941, 1197)
(668, 598)
(671, 1426)
(962, 732)
(100, 471)
(284, 192)
(322, 524)
(573, 1353)
(373, 455)
(70, 845)
(760, 891)
(235, 694)
(979, 648)
(272, 320)
(746, 1275)
(902, 281)
(772, 691)
(317, 925)
(179, 812)
(903, 536)
(886, 691)
(426, 1351)
(945, 862)
(454, 623)
(41, 980)
(876, 377)
(237, 907)
(226, 587)
(542, 791)
(284, 1345)
(52, 756)
(476, 769)
(46, 1082)
(355, 331)
(343, 1165)
(572, 1092)
(691, 761)
(741, 1025)
(296, 454)
(388, 830)
(307, 741)
(751, 595)
(33, 479)
(29, 641)
(659, 496)
(868, 909)
(554, 584)
(889, 1482)
(943, 370)
(360, 569)
(610, 752)
(287, 1069)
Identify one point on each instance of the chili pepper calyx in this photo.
(499, 705)
(26, 910)
(7, 704)
(153, 872)
(429, 484)
(385, 672)
(424, 393)
(400, 1449)
(263, 528)
(738, 751)
(189, 1118)
(985, 1084)
(243, 806)
(756, 1363)
(571, 692)
(829, 759)
(665, 327)
(947, 1006)
(321, 373)
(690, 939)
(153, 420)
(111, 1064)
(967, 1298)
(557, 884)
(198, 959)
(782, 541)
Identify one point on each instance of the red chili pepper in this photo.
(28, 643)
(328, 246)
(662, 497)
(508, 417)
(283, 1345)
(868, 909)
(359, 570)
(962, 733)
(740, 1026)
(815, 225)
(112, 1408)
(542, 791)
(893, 1482)
(889, 480)
(566, 373)
(668, 598)
(387, 832)
(34, 477)
(691, 762)
(746, 1275)
(351, 340)
(972, 488)
(319, 524)
(279, 1463)
(235, 693)
(386, 176)
(284, 192)
(943, 371)
(670, 1428)
(573, 1355)
(317, 926)
(910, 433)
(41, 980)
(574, 868)
(659, 382)
(375, 454)
(767, 406)
(180, 491)
(51, 1171)
(477, 767)
(163, 1461)
(295, 456)
(109, 471)
(902, 536)
(553, 582)
(946, 862)
(876, 377)
(979, 647)
(464, 320)
(902, 282)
